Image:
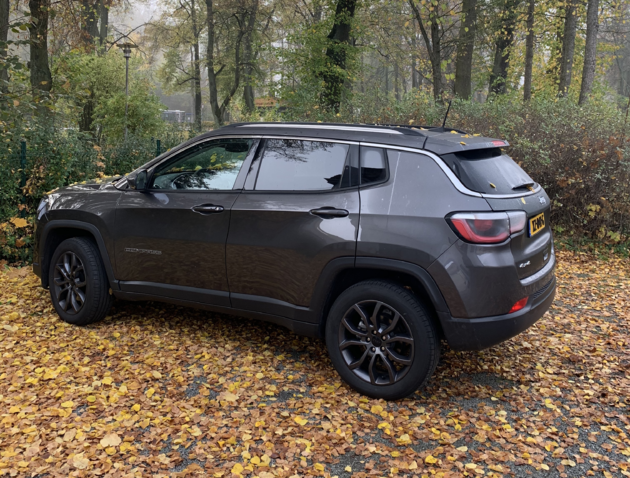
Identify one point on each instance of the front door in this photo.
(299, 210)
(170, 239)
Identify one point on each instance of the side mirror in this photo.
(139, 181)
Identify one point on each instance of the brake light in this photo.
(487, 227)
(518, 305)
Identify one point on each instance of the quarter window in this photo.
(373, 166)
(297, 165)
(213, 165)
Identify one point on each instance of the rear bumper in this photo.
(481, 333)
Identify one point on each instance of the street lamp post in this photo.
(126, 48)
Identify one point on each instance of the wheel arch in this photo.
(342, 275)
(55, 232)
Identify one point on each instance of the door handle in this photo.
(207, 209)
(329, 212)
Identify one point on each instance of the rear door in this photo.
(299, 210)
(170, 239)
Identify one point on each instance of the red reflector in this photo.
(518, 306)
(499, 143)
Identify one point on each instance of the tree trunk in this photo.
(503, 44)
(41, 80)
(590, 50)
(396, 80)
(434, 49)
(465, 47)
(248, 59)
(212, 74)
(89, 21)
(335, 73)
(104, 15)
(219, 110)
(196, 66)
(568, 48)
(4, 35)
(414, 74)
(529, 52)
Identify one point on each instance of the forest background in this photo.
(552, 78)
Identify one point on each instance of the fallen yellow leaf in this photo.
(110, 440)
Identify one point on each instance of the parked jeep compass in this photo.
(383, 240)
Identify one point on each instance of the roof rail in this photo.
(335, 126)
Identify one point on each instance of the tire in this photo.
(395, 364)
(78, 284)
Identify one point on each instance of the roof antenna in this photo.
(446, 115)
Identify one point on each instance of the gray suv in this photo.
(383, 240)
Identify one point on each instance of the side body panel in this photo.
(161, 240)
(277, 249)
(403, 219)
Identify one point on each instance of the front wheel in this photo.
(381, 340)
(79, 288)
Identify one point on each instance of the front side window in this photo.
(213, 165)
(298, 165)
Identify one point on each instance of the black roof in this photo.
(438, 140)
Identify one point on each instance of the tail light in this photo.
(487, 227)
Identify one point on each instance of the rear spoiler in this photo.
(445, 141)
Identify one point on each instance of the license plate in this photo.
(536, 224)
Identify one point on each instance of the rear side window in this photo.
(489, 171)
(297, 165)
(373, 166)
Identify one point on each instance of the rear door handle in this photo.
(329, 212)
(207, 209)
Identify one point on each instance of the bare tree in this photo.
(590, 50)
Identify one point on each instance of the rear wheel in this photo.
(381, 340)
(79, 288)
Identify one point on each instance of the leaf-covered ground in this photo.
(157, 390)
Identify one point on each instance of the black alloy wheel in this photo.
(79, 287)
(69, 283)
(376, 342)
(381, 339)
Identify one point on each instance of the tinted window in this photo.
(296, 165)
(213, 165)
(489, 171)
(373, 165)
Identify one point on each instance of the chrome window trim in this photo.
(205, 140)
(451, 175)
(306, 138)
(323, 126)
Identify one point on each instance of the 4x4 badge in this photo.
(542, 200)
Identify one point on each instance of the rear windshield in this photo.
(489, 171)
